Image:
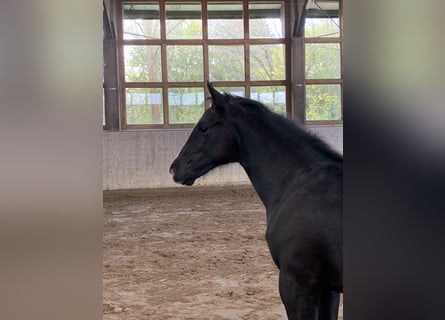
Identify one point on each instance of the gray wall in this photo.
(140, 159)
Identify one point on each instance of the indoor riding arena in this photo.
(172, 250)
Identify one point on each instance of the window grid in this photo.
(339, 81)
(165, 85)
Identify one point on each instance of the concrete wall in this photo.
(140, 159)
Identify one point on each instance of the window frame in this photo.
(204, 42)
(339, 81)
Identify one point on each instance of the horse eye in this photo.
(203, 129)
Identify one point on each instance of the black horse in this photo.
(299, 180)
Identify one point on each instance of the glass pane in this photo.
(322, 61)
(273, 97)
(183, 21)
(186, 105)
(185, 63)
(226, 63)
(323, 102)
(267, 62)
(266, 20)
(141, 21)
(322, 27)
(143, 63)
(144, 106)
(234, 91)
(225, 21)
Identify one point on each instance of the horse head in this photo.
(211, 143)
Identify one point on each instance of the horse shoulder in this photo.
(306, 224)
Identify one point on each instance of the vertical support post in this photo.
(111, 89)
(298, 61)
(298, 111)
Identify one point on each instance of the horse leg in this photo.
(329, 303)
(299, 305)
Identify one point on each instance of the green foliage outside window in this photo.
(144, 106)
(323, 102)
(323, 61)
(186, 105)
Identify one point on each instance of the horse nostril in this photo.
(189, 163)
(172, 171)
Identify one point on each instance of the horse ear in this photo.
(213, 92)
(217, 98)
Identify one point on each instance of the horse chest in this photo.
(293, 235)
(282, 236)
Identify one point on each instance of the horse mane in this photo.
(290, 130)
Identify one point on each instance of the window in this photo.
(169, 49)
(323, 62)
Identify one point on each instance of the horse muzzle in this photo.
(187, 180)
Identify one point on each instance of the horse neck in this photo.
(271, 158)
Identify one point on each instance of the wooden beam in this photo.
(111, 90)
(299, 7)
(298, 91)
(109, 32)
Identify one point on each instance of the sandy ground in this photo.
(188, 253)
